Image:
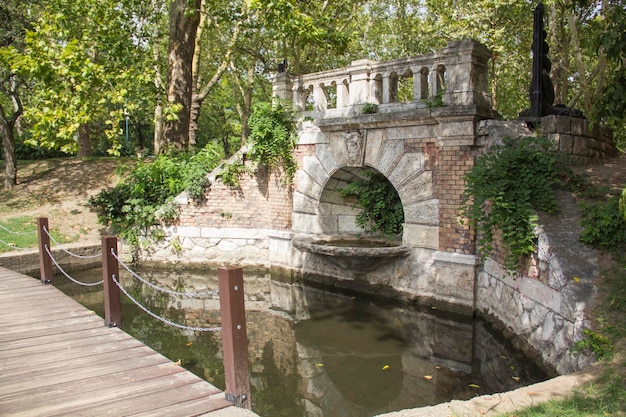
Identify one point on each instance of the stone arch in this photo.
(319, 174)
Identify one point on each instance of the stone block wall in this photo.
(27, 261)
(577, 139)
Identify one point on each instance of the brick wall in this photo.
(262, 201)
(453, 164)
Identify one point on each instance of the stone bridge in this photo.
(415, 121)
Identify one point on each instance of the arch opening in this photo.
(360, 200)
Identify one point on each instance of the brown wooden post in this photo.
(110, 268)
(234, 338)
(45, 263)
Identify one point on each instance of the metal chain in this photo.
(12, 246)
(84, 284)
(71, 253)
(162, 319)
(161, 289)
(16, 233)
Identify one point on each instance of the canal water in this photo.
(322, 354)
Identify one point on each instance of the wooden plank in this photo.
(67, 341)
(58, 358)
(140, 395)
(56, 337)
(190, 407)
(151, 401)
(18, 373)
(90, 377)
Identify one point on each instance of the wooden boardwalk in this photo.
(58, 358)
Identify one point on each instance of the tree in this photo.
(14, 21)
(85, 60)
(184, 20)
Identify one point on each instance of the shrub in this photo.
(145, 197)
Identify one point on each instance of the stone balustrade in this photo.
(453, 76)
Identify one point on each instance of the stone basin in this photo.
(359, 254)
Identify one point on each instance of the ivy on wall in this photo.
(382, 210)
(504, 190)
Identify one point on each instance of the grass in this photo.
(605, 397)
(17, 233)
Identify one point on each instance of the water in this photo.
(330, 354)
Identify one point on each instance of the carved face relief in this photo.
(355, 146)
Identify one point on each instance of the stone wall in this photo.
(234, 224)
(577, 139)
(27, 261)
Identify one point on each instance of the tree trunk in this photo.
(8, 143)
(158, 128)
(184, 20)
(198, 95)
(84, 141)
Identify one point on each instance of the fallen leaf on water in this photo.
(437, 367)
(516, 378)
(386, 367)
(319, 365)
(428, 377)
(188, 344)
(576, 279)
(474, 386)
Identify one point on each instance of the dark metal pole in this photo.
(110, 268)
(234, 337)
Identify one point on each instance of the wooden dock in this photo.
(58, 358)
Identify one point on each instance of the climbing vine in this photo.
(273, 137)
(381, 206)
(504, 190)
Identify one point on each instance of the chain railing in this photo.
(231, 296)
(75, 255)
(13, 232)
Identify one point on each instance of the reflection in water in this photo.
(316, 353)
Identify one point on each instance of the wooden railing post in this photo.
(45, 263)
(110, 268)
(234, 337)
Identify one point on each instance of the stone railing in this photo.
(453, 76)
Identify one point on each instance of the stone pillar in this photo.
(359, 81)
(282, 86)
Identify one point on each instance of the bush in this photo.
(145, 197)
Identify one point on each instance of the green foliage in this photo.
(382, 210)
(232, 173)
(505, 188)
(435, 101)
(145, 197)
(272, 135)
(369, 108)
(604, 226)
(600, 345)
